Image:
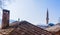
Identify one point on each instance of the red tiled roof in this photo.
(26, 28)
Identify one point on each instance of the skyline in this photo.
(34, 11)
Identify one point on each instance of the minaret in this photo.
(47, 17)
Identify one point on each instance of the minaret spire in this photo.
(47, 17)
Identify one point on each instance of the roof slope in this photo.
(26, 28)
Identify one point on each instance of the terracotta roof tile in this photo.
(24, 28)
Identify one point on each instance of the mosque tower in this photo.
(47, 17)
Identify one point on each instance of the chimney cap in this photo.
(5, 10)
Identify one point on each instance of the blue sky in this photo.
(34, 11)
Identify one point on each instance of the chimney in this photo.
(5, 18)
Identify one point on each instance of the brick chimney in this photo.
(5, 18)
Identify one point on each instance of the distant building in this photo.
(43, 26)
(58, 21)
(58, 24)
(54, 29)
(51, 24)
